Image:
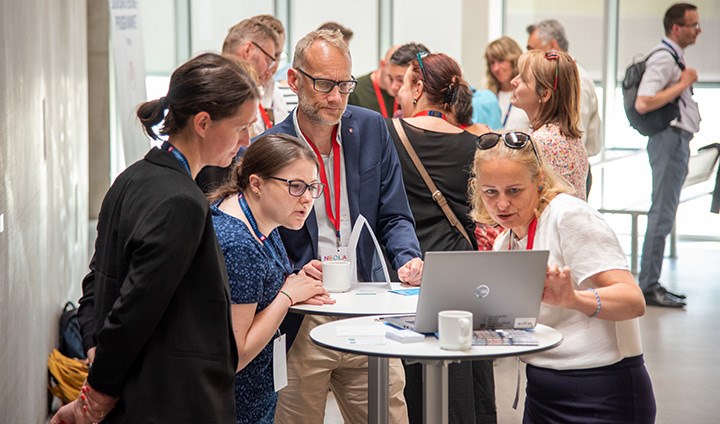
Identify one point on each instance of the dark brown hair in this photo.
(265, 157)
(675, 15)
(207, 83)
(442, 80)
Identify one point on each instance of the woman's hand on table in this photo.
(303, 288)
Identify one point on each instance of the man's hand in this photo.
(411, 272)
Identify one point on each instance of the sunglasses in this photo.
(420, 56)
(514, 140)
(297, 188)
(554, 55)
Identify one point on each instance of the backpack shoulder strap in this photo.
(672, 53)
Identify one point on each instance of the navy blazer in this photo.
(375, 189)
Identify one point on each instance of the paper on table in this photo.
(352, 247)
(360, 330)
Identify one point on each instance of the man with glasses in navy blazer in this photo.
(360, 167)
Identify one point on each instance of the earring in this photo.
(414, 102)
(540, 188)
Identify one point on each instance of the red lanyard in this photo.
(381, 100)
(433, 113)
(334, 218)
(265, 117)
(531, 235)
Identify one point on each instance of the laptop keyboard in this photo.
(504, 338)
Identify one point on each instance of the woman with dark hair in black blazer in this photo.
(155, 310)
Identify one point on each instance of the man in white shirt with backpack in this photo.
(665, 80)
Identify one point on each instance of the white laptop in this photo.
(502, 289)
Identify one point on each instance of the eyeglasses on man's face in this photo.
(270, 57)
(297, 188)
(514, 140)
(325, 85)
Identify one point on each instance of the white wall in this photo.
(435, 24)
(43, 189)
(211, 19)
(359, 16)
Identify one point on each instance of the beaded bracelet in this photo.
(288, 296)
(599, 303)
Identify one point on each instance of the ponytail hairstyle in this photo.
(207, 83)
(442, 80)
(265, 157)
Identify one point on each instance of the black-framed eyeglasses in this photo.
(269, 56)
(514, 140)
(420, 56)
(554, 55)
(325, 85)
(298, 187)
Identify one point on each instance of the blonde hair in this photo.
(332, 37)
(563, 106)
(504, 48)
(551, 184)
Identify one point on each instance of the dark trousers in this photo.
(614, 394)
(471, 397)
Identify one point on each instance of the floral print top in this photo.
(566, 156)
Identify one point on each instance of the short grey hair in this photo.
(548, 30)
(248, 30)
(332, 37)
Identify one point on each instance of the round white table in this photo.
(365, 336)
(362, 300)
(365, 299)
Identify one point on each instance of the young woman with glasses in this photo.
(548, 90)
(597, 374)
(431, 89)
(275, 184)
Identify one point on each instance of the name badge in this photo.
(280, 379)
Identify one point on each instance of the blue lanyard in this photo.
(507, 114)
(178, 155)
(263, 238)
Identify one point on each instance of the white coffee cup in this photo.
(336, 276)
(455, 328)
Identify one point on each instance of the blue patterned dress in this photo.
(254, 277)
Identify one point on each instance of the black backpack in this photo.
(657, 120)
(70, 338)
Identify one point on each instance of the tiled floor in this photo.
(681, 346)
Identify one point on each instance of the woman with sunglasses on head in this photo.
(155, 310)
(597, 374)
(548, 90)
(431, 88)
(274, 184)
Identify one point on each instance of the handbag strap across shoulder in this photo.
(436, 194)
